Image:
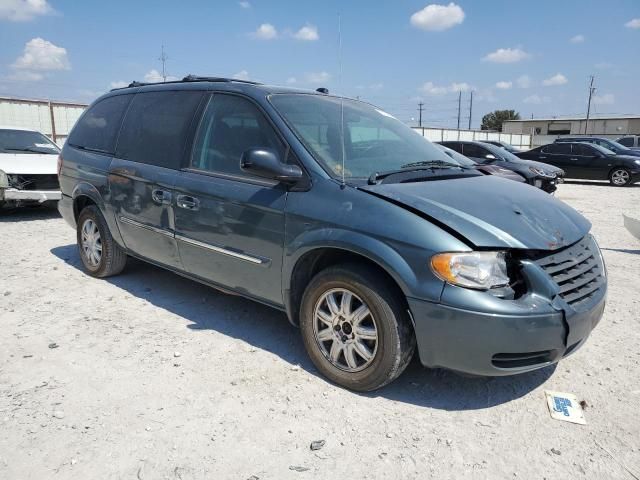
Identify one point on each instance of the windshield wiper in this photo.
(413, 167)
(24, 149)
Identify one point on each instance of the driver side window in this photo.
(475, 151)
(230, 126)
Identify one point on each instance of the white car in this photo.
(28, 167)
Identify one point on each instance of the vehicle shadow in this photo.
(27, 214)
(622, 250)
(268, 329)
(597, 183)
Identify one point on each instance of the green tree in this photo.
(493, 120)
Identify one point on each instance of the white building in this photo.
(54, 119)
(546, 130)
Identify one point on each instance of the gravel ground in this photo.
(149, 375)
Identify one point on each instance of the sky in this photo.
(533, 57)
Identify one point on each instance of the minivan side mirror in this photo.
(265, 163)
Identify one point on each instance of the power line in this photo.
(163, 58)
(591, 92)
(459, 105)
(470, 109)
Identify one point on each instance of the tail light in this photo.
(60, 160)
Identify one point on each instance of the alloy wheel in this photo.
(345, 330)
(91, 242)
(620, 177)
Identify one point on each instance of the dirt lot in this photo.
(148, 375)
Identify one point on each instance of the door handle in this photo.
(161, 196)
(573, 159)
(542, 157)
(188, 202)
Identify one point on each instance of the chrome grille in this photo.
(577, 270)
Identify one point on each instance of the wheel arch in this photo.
(85, 194)
(305, 262)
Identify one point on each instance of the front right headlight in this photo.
(4, 180)
(478, 270)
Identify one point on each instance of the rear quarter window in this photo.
(156, 127)
(98, 127)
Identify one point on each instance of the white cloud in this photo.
(504, 85)
(291, 80)
(606, 99)
(23, 10)
(557, 79)
(524, 81)
(436, 17)
(432, 89)
(25, 76)
(40, 54)
(506, 55)
(536, 99)
(118, 84)
(154, 76)
(577, 39)
(634, 23)
(308, 33)
(266, 31)
(244, 4)
(241, 75)
(318, 77)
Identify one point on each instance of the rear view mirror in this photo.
(265, 163)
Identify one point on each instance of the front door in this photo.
(230, 224)
(150, 150)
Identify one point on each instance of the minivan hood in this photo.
(29, 163)
(490, 212)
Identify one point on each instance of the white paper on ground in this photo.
(565, 407)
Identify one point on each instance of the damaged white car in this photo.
(28, 168)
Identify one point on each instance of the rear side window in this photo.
(230, 126)
(98, 128)
(626, 141)
(558, 149)
(156, 126)
(453, 146)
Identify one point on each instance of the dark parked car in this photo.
(611, 145)
(537, 174)
(486, 169)
(630, 141)
(368, 236)
(588, 161)
(508, 147)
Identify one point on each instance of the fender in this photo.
(411, 283)
(88, 190)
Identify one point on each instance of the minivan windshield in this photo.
(26, 141)
(370, 141)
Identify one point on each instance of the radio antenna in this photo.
(341, 95)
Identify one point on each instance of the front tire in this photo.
(100, 254)
(355, 327)
(620, 177)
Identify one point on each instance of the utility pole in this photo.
(459, 105)
(163, 58)
(420, 109)
(470, 109)
(591, 92)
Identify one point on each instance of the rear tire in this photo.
(355, 327)
(620, 177)
(100, 254)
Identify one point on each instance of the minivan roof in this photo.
(194, 82)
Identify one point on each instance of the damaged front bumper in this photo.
(474, 332)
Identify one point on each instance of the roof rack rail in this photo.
(199, 78)
(188, 78)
